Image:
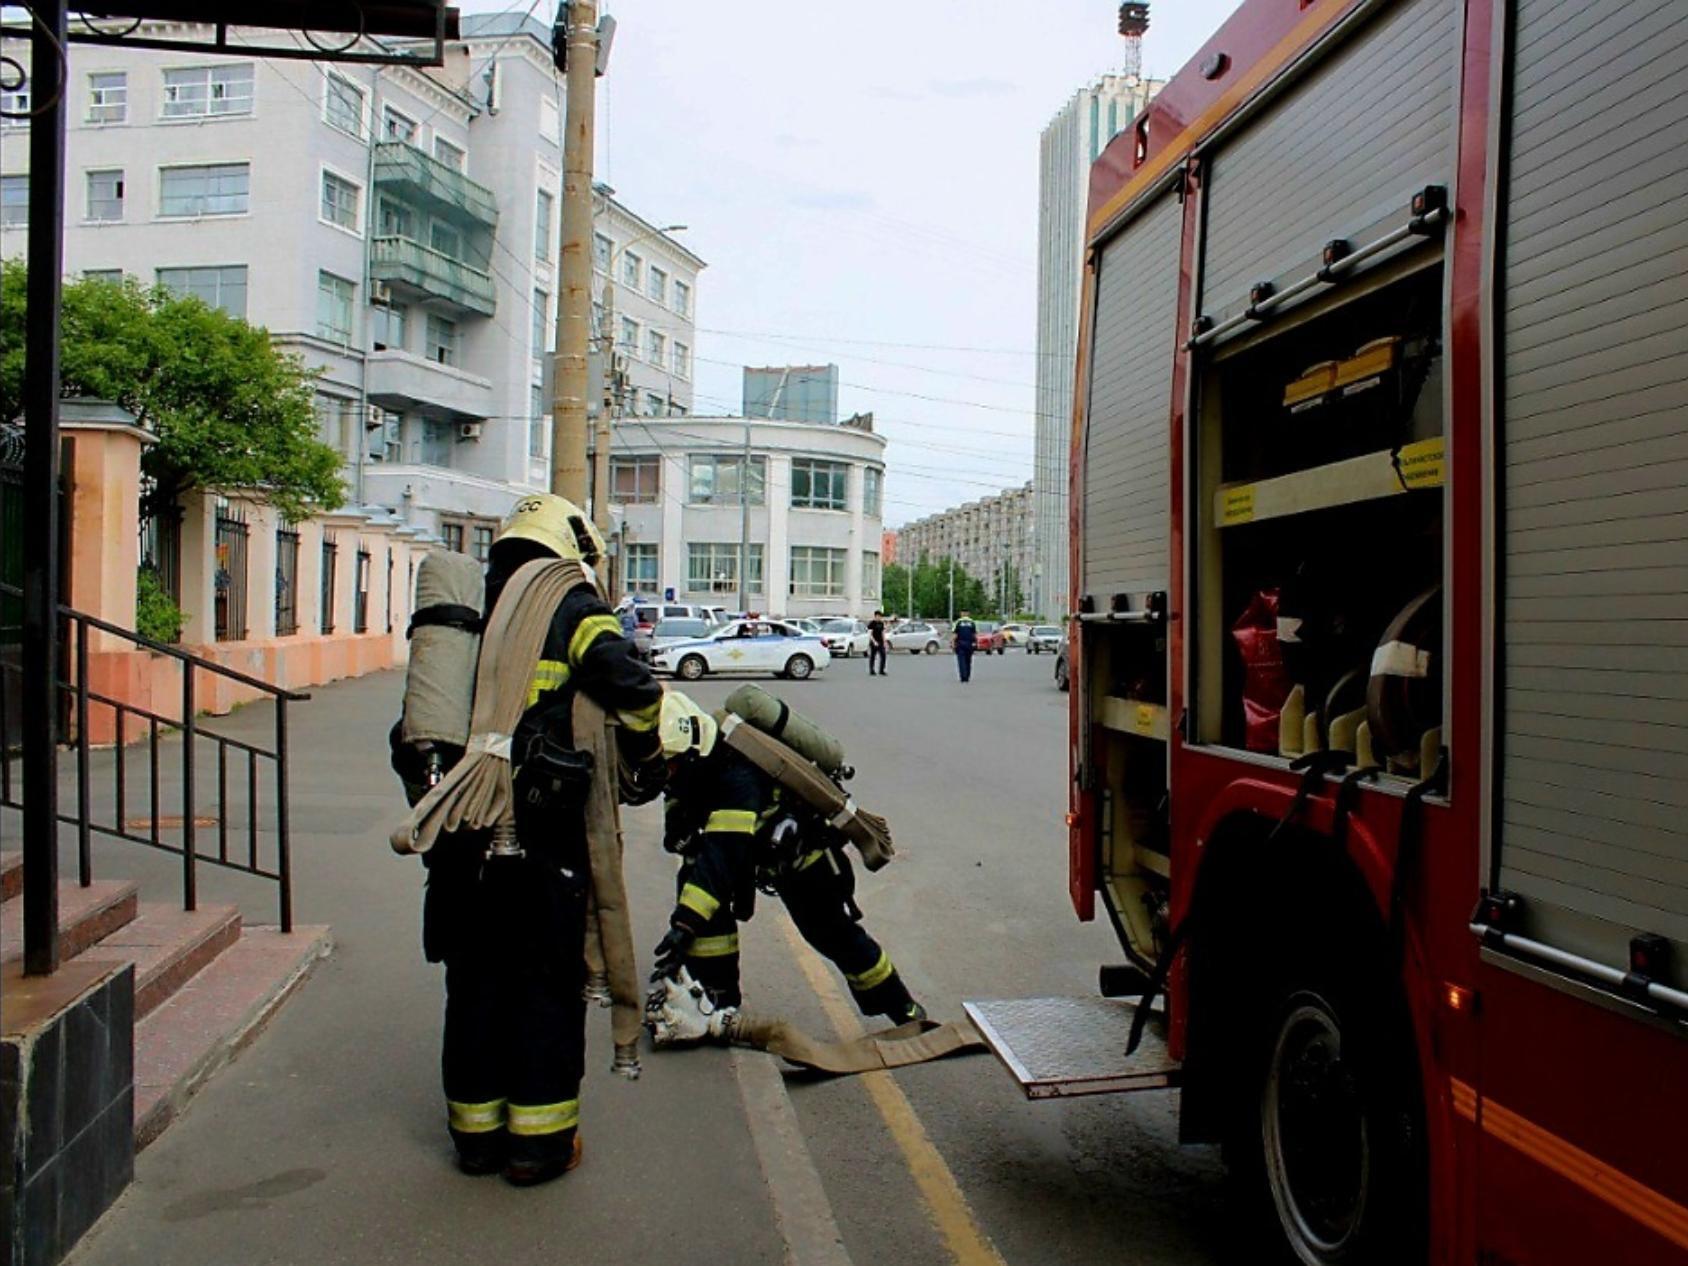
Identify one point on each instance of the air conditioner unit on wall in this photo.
(469, 430)
(379, 292)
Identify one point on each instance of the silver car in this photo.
(917, 637)
(1044, 637)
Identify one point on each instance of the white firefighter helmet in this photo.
(556, 523)
(685, 727)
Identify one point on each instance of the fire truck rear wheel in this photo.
(1332, 1151)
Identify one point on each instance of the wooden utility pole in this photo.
(569, 385)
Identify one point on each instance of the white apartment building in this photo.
(396, 227)
(983, 537)
(644, 284)
(815, 497)
(1069, 145)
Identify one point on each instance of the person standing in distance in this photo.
(964, 638)
(876, 644)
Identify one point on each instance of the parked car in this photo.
(1015, 634)
(844, 638)
(682, 630)
(803, 622)
(651, 614)
(915, 636)
(988, 638)
(745, 646)
(1044, 637)
(1061, 667)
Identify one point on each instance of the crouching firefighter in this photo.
(737, 832)
(506, 911)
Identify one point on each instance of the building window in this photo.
(334, 424)
(205, 91)
(630, 264)
(221, 287)
(14, 201)
(105, 195)
(443, 340)
(334, 307)
(873, 486)
(536, 421)
(212, 189)
(870, 579)
(682, 298)
(113, 275)
(601, 249)
(639, 567)
(391, 429)
(108, 97)
(541, 302)
(340, 201)
(387, 326)
(677, 410)
(451, 155)
(597, 319)
(396, 125)
(343, 105)
(714, 480)
(542, 226)
(15, 102)
(656, 404)
(713, 567)
(629, 334)
(436, 442)
(452, 535)
(656, 347)
(635, 481)
(817, 572)
(657, 285)
(682, 360)
(480, 541)
(445, 239)
(817, 485)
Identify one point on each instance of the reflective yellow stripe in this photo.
(544, 1118)
(714, 946)
(588, 631)
(878, 974)
(809, 859)
(642, 720)
(731, 822)
(475, 1118)
(548, 674)
(695, 898)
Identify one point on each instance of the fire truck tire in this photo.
(1328, 1153)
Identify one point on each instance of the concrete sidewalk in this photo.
(325, 1142)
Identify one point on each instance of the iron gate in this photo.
(231, 574)
(286, 582)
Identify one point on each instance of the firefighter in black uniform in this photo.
(726, 820)
(511, 929)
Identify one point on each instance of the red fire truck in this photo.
(1379, 714)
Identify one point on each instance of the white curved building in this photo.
(815, 509)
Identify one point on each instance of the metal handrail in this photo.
(82, 695)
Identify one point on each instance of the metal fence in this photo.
(360, 594)
(330, 564)
(286, 582)
(161, 543)
(231, 539)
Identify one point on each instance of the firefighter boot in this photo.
(533, 1172)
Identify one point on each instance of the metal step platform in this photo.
(1058, 1048)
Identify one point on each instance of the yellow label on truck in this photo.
(1236, 505)
(1423, 463)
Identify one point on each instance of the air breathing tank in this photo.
(773, 716)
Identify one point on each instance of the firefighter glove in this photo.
(671, 952)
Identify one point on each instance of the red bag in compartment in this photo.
(1265, 683)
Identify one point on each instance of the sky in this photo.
(863, 182)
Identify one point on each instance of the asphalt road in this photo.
(323, 1141)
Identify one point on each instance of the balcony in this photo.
(426, 182)
(414, 270)
(410, 384)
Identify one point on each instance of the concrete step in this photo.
(169, 946)
(11, 874)
(85, 916)
(210, 1018)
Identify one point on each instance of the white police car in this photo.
(745, 646)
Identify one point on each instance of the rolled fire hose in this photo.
(476, 794)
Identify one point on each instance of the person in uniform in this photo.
(964, 638)
(510, 929)
(726, 821)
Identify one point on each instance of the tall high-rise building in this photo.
(792, 393)
(1070, 143)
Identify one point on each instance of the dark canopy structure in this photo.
(328, 30)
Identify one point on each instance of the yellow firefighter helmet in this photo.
(556, 523)
(685, 728)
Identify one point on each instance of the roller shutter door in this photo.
(1343, 153)
(1128, 418)
(1593, 828)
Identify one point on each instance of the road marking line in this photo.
(966, 1240)
(801, 1207)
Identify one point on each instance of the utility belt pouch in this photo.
(551, 782)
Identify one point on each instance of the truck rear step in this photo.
(1060, 1047)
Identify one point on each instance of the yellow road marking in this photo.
(948, 1208)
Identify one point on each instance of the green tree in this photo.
(227, 409)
